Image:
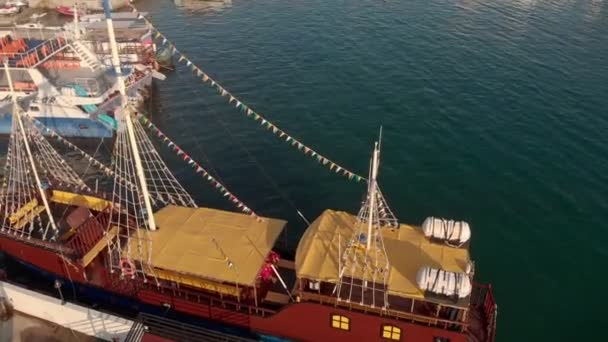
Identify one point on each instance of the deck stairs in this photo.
(87, 56)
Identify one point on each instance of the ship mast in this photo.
(17, 115)
(76, 30)
(130, 130)
(371, 192)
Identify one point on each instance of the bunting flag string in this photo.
(198, 169)
(238, 104)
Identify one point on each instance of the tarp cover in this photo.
(184, 243)
(407, 250)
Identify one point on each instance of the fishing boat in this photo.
(69, 11)
(145, 244)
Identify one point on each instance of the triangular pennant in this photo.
(181, 58)
(238, 104)
(231, 99)
(157, 35)
(249, 111)
(199, 169)
(205, 77)
(164, 41)
(288, 138)
(188, 63)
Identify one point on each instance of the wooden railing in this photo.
(401, 315)
(483, 300)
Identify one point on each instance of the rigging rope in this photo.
(196, 166)
(254, 160)
(247, 109)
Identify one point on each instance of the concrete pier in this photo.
(32, 314)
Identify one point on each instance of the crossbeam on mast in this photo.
(17, 115)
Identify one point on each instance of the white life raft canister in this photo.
(445, 283)
(456, 232)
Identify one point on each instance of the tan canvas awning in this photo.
(184, 243)
(407, 249)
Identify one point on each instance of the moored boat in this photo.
(68, 11)
(147, 245)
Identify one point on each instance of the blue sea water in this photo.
(494, 112)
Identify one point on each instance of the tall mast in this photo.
(17, 115)
(130, 130)
(76, 30)
(371, 192)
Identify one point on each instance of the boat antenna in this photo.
(17, 115)
(127, 116)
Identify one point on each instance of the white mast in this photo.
(130, 130)
(371, 192)
(17, 115)
(76, 29)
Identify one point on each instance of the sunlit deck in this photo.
(203, 242)
(407, 249)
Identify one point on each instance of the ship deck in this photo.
(210, 244)
(407, 249)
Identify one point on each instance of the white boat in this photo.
(7, 9)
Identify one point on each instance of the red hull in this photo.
(66, 10)
(304, 321)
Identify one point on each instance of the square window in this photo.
(340, 322)
(391, 332)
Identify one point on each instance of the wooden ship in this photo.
(148, 245)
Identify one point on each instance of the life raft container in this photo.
(449, 231)
(441, 282)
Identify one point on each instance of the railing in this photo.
(88, 234)
(20, 58)
(176, 331)
(482, 299)
(402, 315)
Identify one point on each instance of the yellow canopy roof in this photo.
(407, 250)
(184, 243)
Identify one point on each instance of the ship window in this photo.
(391, 332)
(34, 108)
(441, 339)
(340, 322)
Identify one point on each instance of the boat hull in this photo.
(304, 321)
(66, 127)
